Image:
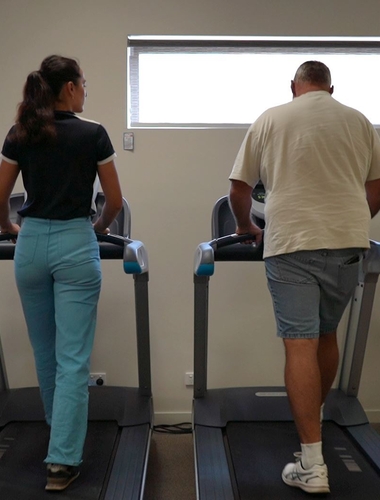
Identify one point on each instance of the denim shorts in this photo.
(311, 289)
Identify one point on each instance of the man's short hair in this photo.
(313, 72)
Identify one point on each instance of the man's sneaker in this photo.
(60, 476)
(313, 480)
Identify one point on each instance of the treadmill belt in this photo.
(260, 450)
(23, 447)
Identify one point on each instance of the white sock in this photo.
(311, 455)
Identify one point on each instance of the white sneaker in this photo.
(313, 480)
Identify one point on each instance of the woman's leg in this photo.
(35, 287)
(77, 280)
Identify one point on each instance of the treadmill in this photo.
(243, 437)
(120, 418)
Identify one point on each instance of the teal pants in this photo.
(58, 276)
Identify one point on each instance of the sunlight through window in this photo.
(215, 87)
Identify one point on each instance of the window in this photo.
(210, 82)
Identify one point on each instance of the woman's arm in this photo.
(8, 176)
(113, 198)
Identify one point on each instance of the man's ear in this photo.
(293, 88)
(331, 91)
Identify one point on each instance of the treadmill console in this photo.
(257, 207)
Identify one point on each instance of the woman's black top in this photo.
(59, 175)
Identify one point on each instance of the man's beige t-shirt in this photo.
(313, 156)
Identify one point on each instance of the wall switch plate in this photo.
(128, 141)
(189, 378)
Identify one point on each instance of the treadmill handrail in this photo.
(7, 236)
(135, 255)
(115, 239)
(207, 252)
(231, 239)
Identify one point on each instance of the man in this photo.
(319, 162)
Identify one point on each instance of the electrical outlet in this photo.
(189, 378)
(97, 379)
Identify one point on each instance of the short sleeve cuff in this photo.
(107, 160)
(13, 162)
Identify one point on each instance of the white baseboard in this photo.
(171, 418)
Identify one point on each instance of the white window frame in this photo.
(305, 46)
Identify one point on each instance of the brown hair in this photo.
(35, 115)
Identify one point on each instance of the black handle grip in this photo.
(7, 237)
(107, 238)
(112, 238)
(232, 239)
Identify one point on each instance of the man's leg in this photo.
(304, 387)
(296, 299)
(328, 361)
(310, 370)
(303, 382)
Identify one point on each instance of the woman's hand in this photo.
(99, 229)
(10, 229)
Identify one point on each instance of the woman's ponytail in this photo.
(35, 121)
(35, 116)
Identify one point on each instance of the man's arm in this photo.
(373, 196)
(240, 202)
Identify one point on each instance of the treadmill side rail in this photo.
(4, 385)
(201, 292)
(127, 478)
(143, 333)
(211, 469)
(368, 440)
(357, 334)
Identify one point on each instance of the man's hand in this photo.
(251, 229)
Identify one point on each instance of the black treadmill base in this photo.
(23, 447)
(260, 450)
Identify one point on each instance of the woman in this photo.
(57, 265)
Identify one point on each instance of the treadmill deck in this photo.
(23, 447)
(260, 450)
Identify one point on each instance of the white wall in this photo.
(171, 180)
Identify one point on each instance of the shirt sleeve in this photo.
(247, 163)
(10, 152)
(105, 151)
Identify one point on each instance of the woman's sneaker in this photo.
(60, 476)
(313, 480)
